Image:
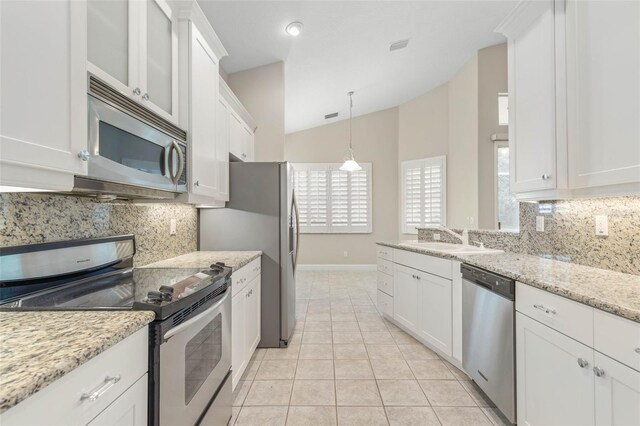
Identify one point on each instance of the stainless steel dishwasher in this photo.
(488, 350)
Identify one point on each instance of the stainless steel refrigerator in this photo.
(261, 215)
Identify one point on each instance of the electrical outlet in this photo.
(436, 237)
(602, 225)
(345, 254)
(540, 223)
(172, 227)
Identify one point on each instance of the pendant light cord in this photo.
(350, 121)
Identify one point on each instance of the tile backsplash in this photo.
(27, 218)
(569, 233)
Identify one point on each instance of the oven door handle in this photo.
(175, 147)
(169, 334)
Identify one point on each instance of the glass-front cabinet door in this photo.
(133, 46)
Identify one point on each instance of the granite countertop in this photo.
(37, 348)
(609, 291)
(202, 259)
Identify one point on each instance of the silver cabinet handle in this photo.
(106, 385)
(136, 91)
(546, 177)
(244, 155)
(637, 350)
(545, 309)
(598, 371)
(145, 96)
(196, 183)
(582, 363)
(84, 155)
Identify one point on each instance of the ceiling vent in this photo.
(332, 115)
(398, 45)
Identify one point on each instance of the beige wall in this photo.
(261, 91)
(462, 162)
(492, 75)
(375, 140)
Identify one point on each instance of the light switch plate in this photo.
(540, 223)
(172, 227)
(602, 225)
(436, 237)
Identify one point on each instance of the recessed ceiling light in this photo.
(294, 28)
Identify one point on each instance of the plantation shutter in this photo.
(331, 200)
(424, 193)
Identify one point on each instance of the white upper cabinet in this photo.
(133, 46)
(603, 92)
(241, 126)
(574, 98)
(43, 93)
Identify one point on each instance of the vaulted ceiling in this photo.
(344, 46)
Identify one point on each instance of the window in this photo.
(331, 200)
(507, 208)
(424, 200)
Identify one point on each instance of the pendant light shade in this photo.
(350, 163)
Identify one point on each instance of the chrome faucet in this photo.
(464, 237)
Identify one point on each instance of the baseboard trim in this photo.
(336, 267)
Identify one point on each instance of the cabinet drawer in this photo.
(617, 337)
(423, 262)
(61, 402)
(244, 275)
(385, 304)
(385, 283)
(385, 266)
(568, 317)
(385, 252)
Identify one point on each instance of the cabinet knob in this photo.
(196, 183)
(244, 155)
(582, 363)
(84, 155)
(598, 371)
(145, 96)
(637, 350)
(546, 177)
(136, 91)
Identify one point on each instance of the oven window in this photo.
(130, 150)
(202, 355)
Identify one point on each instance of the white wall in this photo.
(375, 140)
(261, 91)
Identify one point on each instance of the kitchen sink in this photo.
(449, 248)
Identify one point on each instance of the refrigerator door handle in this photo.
(295, 207)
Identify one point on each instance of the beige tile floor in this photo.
(346, 365)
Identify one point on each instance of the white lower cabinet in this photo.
(245, 317)
(553, 387)
(130, 409)
(563, 377)
(405, 297)
(434, 322)
(110, 389)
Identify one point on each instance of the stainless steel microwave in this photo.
(128, 155)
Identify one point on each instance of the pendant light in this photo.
(350, 164)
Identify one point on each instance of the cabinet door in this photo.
(130, 409)
(406, 296)
(222, 148)
(113, 47)
(159, 72)
(554, 376)
(253, 315)
(603, 92)
(435, 320)
(237, 137)
(532, 104)
(204, 100)
(247, 144)
(43, 119)
(617, 393)
(238, 336)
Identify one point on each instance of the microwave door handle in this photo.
(175, 147)
(172, 332)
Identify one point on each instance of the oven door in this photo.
(195, 357)
(124, 149)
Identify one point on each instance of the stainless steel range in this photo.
(189, 341)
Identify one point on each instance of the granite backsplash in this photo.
(27, 218)
(569, 233)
